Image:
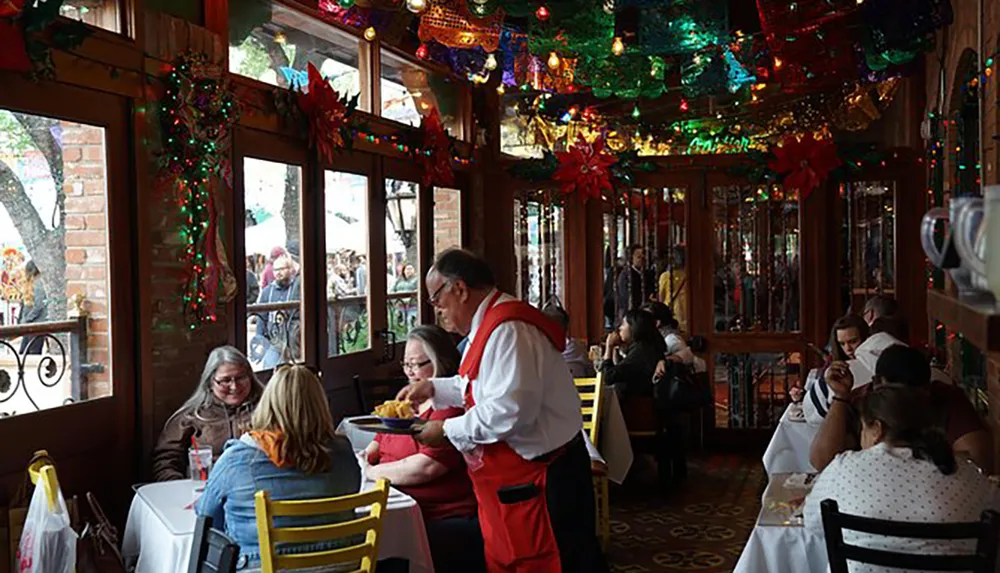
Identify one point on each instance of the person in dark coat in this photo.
(34, 307)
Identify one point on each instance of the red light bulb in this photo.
(422, 52)
(684, 105)
(542, 13)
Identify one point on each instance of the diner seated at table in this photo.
(906, 471)
(218, 410)
(905, 366)
(668, 327)
(291, 452)
(575, 353)
(436, 477)
(644, 350)
(879, 306)
(846, 335)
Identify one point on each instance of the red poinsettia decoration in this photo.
(585, 168)
(13, 54)
(805, 163)
(327, 115)
(436, 153)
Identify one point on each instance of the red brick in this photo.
(74, 272)
(94, 153)
(96, 291)
(85, 238)
(75, 222)
(82, 134)
(97, 254)
(97, 308)
(71, 154)
(94, 187)
(96, 222)
(85, 204)
(75, 288)
(94, 272)
(84, 171)
(75, 256)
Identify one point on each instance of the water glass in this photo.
(199, 465)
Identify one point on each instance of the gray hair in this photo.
(439, 346)
(202, 395)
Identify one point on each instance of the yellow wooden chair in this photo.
(370, 525)
(592, 397)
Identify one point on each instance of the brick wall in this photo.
(86, 241)
(447, 219)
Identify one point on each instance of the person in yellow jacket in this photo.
(674, 288)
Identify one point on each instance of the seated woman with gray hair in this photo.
(218, 410)
(436, 477)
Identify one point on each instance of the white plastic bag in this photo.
(48, 542)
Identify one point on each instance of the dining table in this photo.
(788, 450)
(614, 449)
(779, 542)
(160, 528)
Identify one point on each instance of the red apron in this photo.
(517, 536)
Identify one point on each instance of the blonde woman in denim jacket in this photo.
(291, 452)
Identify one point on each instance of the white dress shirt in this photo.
(524, 393)
(889, 483)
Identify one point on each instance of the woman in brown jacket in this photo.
(219, 410)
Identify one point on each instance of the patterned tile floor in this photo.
(699, 525)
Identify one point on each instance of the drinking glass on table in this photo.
(199, 464)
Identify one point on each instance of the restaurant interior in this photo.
(787, 188)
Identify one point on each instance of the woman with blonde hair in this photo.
(291, 452)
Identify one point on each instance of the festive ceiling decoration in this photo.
(585, 169)
(21, 23)
(449, 22)
(804, 162)
(196, 118)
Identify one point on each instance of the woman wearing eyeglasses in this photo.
(436, 477)
(218, 410)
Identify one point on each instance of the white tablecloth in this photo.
(159, 530)
(615, 449)
(788, 451)
(779, 543)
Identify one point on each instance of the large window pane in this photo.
(271, 194)
(757, 259)
(347, 269)
(410, 92)
(671, 239)
(401, 240)
(54, 247)
(100, 13)
(538, 250)
(868, 237)
(274, 44)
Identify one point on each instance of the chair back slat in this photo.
(982, 560)
(591, 391)
(211, 550)
(357, 552)
(328, 532)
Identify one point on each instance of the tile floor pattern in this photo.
(701, 525)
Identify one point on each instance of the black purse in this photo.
(681, 390)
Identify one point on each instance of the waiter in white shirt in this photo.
(520, 433)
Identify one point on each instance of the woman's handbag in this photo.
(97, 547)
(681, 390)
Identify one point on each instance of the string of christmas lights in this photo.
(197, 113)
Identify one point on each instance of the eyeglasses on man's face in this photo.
(436, 297)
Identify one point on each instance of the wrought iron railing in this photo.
(278, 335)
(402, 311)
(348, 324)
(756, 388)
(48, 342)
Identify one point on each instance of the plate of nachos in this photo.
(391, 417)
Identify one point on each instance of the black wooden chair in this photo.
(371, 393)
(211, 550)
(983, 560)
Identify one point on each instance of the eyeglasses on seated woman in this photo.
(435, 477)
(218, 410)
(290, 451)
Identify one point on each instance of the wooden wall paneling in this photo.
(578, 282)
(911, 269)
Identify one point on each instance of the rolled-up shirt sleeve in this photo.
(508, 391)
(448, 392)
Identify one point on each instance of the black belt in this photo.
(560, 450)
